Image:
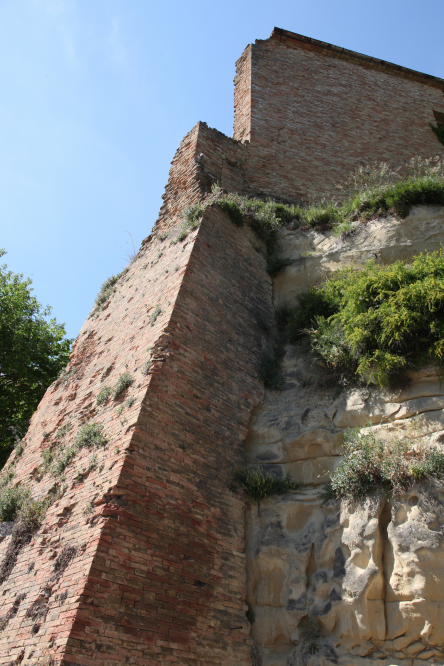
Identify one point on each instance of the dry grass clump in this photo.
(391, 460)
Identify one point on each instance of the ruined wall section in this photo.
(176, 554)
(141, 556)
(205, 157)
(318, 111)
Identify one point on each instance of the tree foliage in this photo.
(33, 351)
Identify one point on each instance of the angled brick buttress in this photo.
(140, 560)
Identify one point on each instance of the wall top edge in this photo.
(294, 40)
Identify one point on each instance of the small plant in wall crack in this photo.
(57, 457)
(107, 289)
(122, 384)
(146, 367)
(156, 313)
(191, 216)
(28, 516)
(259, 484)
(104, 395)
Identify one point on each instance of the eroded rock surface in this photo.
(365, 579)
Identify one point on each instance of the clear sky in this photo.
(96, 96)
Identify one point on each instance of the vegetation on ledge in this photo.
(369, 191)
(376, 322)
(388, 463)
(258, 484)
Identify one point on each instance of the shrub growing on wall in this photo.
(377, 321)
(387, 462)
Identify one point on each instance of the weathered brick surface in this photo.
(315, 112)
(158, 574)
(204, 157)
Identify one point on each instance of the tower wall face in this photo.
(317, 113)
(141, 559)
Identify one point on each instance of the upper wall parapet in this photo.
(294, 40)
(312, 112)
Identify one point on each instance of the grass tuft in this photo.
(156, 313)
(106, 291)
(367, 192)
(258, 484)
(56, 458)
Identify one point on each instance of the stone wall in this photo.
(316, 112)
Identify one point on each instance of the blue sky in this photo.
(96, 96)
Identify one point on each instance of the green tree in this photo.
(33, 351)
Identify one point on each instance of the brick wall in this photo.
(242, 96)
(318, 111)
(205, 156)
(156, 573)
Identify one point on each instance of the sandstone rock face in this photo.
(384, 240)
(352, 584)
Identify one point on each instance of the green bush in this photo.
(258, 484)
(103, 395)
(392, 464)
(122, 384)
(377, 321)
(12, 498)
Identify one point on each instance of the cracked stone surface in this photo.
(372, 572)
